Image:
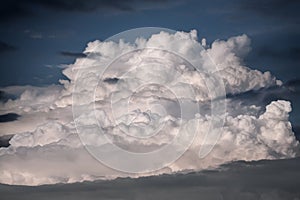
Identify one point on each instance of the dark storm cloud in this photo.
(9, 117)
(4, 140)
(85, 5)
(16, 9)
(73, 54)
(111, 80)
(4, 47)
(258, 180)
(280, 9)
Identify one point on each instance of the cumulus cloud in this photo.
(138, 95)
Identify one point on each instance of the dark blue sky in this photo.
(37, 36)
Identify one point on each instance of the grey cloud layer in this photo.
(16, 9)
(262, 180)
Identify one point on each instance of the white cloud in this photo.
(47, 149)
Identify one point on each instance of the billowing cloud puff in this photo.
(142, 95)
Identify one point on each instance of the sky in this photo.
(37, 37)
(167, 104)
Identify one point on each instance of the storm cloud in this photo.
(261, 180)
(16, 9)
